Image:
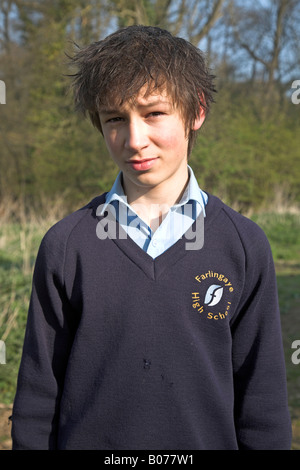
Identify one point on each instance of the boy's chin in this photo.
(145, 180)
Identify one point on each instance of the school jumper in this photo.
(123, 351)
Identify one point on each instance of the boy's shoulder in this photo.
(80, 220)
(233, 223)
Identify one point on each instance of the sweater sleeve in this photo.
(47, 343)
(261, 410)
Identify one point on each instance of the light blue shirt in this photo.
(177, 221)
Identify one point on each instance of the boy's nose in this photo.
(136, 136)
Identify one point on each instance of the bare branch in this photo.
(216, 13)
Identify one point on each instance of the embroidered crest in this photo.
(213, 296)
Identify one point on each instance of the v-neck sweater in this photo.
(123, 351)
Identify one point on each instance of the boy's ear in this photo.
(201, 116)
(199, 120)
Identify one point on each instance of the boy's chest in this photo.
(195, 296)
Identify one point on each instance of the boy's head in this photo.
(112, 72)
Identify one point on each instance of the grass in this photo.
(19, 242)
(20, 237)
(288, 279)
(283, 232)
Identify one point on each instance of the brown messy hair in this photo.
(113, 71)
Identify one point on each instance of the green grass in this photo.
(289, 298)
(18, 248)
(283, 232)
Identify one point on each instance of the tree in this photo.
(193, 18)
(267, 32)
(253, 47)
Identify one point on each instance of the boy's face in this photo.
(148, 142)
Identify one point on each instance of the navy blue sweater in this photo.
(125, 352)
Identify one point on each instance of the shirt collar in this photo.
(116, 193)
(191, 193)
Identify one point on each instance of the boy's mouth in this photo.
(142, 164)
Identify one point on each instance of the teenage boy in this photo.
(136, 337)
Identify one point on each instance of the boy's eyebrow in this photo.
(153, 103)
(139, 105)
(109, 111)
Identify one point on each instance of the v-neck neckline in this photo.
(153, 268)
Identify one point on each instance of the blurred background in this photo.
(52, 161)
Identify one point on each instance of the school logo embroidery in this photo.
(213, 295)
(212, 300)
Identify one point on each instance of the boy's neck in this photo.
(152, 204)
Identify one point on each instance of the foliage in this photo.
(245, 156)
(247, 150)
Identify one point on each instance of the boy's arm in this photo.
(261, 411)
(47, 343)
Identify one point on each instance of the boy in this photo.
(138, 337)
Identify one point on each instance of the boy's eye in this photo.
(114, 119)
(156, 113)
(117, 119)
